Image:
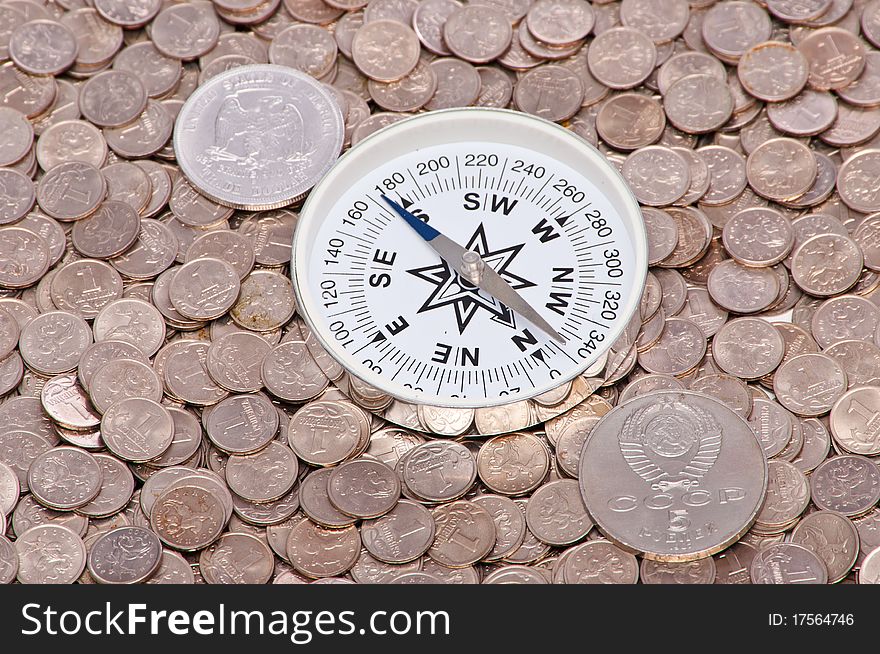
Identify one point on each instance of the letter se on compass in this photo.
(479, 261)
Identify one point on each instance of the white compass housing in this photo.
(539, 205)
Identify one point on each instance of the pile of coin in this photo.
(167, 418)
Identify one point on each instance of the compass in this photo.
(469, 258)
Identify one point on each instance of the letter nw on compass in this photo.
(451, 289)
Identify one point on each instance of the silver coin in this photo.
(655, 476)
(270, 123)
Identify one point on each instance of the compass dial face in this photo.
(540, 207)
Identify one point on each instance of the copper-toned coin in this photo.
(788, 563)
(853, 421)
(758, 237)
(64, 478)
(137, 429)
(808, 113)
(680, 348)
(71, 191)
(458, 84)
(773, 71)
(186, 31)
(540, 51)
(748, 348)
(428, 20)
(833, 538)
(658, 176)
(319, 552)
(809, 384)
(854, 180)
(742, 289)
(477, 33)
(551, 92)
(662, 233)
(826, 264)
(621, 58)
(385, 50)
(560, 22)
(799, 12)
(473, 523)
(43, 47)
(407, 94)
(781, 169)
(849, 484)
(865, 91)
(729, 29)
(630, 120)
(129, 98)
(845, 317)
(698, 103)
(31, 95)
(694, 236)
(307, 48)
(727, 174)
(158, 73)
(836, 58)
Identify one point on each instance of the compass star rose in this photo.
(451, 289)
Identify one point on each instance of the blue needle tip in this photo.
(422, 228)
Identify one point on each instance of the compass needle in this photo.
(466, 261)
